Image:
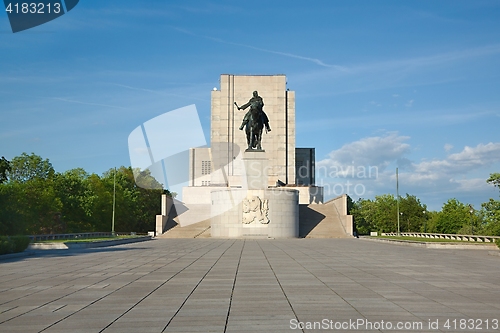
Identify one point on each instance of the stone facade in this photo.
(222, 167)
(229, 141)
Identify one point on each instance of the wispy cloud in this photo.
(286, 54)
(388, 67)
(410, 103)
(211, 8)
(87, 103)
(426, 61)
(429, 117)
(384, 74)
(159, 92)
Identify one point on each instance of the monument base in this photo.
(255, 173)
(264, 213)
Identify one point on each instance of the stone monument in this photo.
(260, 211)
(250, 184)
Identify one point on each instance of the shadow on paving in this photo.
(30, 254)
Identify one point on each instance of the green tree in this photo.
(490, 212)
(12, 221)
(453, 216)
(385, 213)
(27, 167)
(431, 222)
(29, 203)
(41, 208)
(136, 207)
(100, 200)
(413, 217)
(4, 169)
(377, 215)
(359, 210)
(37, 200)
(73, 190)
(494, 179)
(149, 203)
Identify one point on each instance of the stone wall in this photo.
(279, 105)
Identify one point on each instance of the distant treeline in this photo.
(34, 199)
(455, 217)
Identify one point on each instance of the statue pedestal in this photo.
(255, 172)
(255, 211)
(269, 213)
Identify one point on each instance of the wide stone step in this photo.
(200, 229)
(315, 221)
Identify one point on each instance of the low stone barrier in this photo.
(434, 245)
(469, 238)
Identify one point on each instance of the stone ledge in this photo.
(85, 245)
(434, 245)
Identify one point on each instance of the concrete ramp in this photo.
(320, 221)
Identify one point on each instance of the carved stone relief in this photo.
(255, 209)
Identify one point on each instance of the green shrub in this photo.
(5, 245)
(13, 244)
(20, 243)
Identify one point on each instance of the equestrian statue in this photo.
(254, 121)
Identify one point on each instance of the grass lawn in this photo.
(422, 239)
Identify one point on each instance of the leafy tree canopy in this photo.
(494, 179)
(4, 168)
(490, 212)
(27, 167)
(452, 217)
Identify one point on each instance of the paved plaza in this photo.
(214, 285)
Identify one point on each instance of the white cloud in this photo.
(456, 175)
(469, 159)
(410, 103)
(469, 185)
(378, 151)
(448, 147)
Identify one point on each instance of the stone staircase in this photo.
(315, 221)
(193, 213)
(320, 221)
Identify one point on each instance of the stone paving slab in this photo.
(217, 285)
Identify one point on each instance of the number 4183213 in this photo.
(33, 8)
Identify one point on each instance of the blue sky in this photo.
(381, 84)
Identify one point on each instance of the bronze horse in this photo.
(254, 128)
